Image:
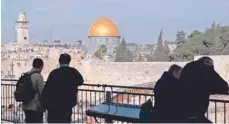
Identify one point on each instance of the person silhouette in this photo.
(166, 96)
(60, 91)
(198, 81)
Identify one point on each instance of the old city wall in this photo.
(118, 73)
(132, 73)
(128, 73)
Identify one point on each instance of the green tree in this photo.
(213, 25)
(102, 50)
(179, 53)
(212, 29)
(127, 56)
(222, 46)
(214, 41)
(180, 38)
(166, 48)
(122, 53)
(195, 33)
(120, 50)
(98, 54)
(225, 29)
(160, 52)
(160, 40)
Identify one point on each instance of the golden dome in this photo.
(103, 27)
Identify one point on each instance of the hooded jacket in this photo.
(166, 92)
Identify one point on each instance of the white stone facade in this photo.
(22, 28)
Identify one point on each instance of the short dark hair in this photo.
(65, 58)
(174, 67)
(37, 63)
(205, 59)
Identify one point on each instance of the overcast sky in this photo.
(139, 21)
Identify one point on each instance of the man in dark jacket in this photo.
(199, 79)
(60, 91)
(166, 96)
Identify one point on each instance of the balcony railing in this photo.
(90, 95)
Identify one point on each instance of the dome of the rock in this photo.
(103, 27)
(103, 31)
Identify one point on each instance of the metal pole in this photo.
(108, 100)
(12, 67)
(108, 96)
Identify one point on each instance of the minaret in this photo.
(22, 28)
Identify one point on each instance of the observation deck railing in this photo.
(90, 95)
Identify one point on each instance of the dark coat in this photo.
(61, 88)
(146, 114)
(198, 82)
(166, 98)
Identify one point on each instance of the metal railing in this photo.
(90, 95)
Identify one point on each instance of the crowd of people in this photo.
(182, 94)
